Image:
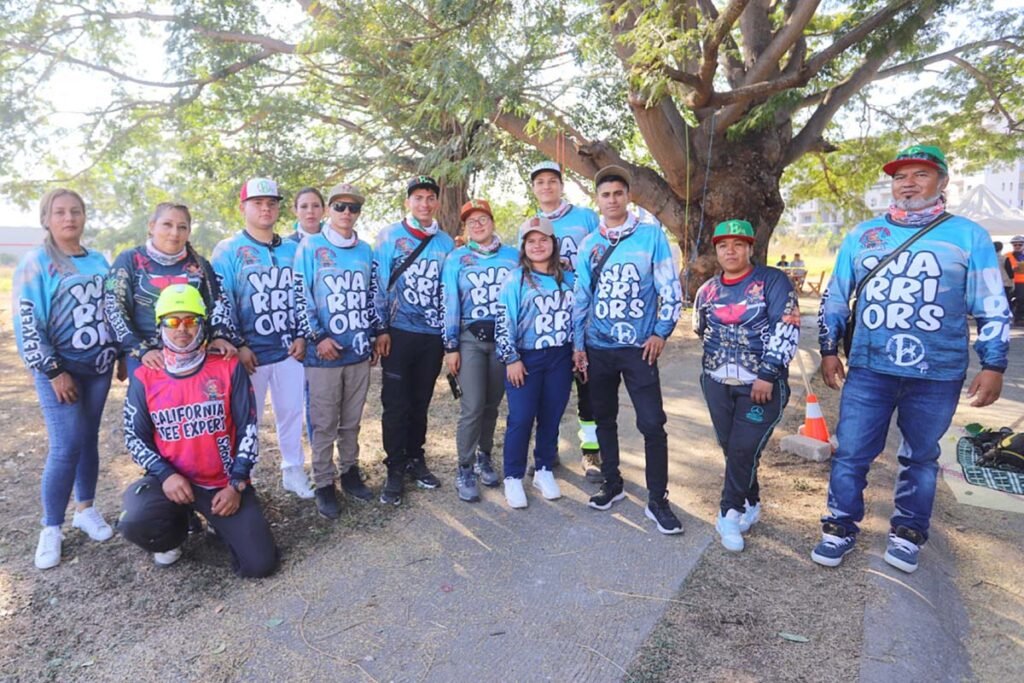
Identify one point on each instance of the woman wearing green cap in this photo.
(749, 322)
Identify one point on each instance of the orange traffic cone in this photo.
(814, 421)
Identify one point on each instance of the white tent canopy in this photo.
(990, 212)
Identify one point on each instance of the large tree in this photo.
(708, 103)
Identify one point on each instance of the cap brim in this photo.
(893, 166)
(745, 238)
(536, 173)
(354, 197)
(423, 186)
(258, 196)
(462, 216)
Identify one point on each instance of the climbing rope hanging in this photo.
(703, 195)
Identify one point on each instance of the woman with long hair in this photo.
(139, 275)
(63, 339)
(533, 332)
(309, 207)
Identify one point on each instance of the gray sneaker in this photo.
(484, 469)
(465, 483)
(591, 463)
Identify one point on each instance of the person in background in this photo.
(797, 262)
(63, 339)
(572, 225)
(1006, 271)
(470, 281)
(408, 257)
(1014, 265)
(628, 300)
(908, 352)
(749, 322)
(334, 274)
(139, 275)
(782, 262)
(254, 268)
(533, 332)
(309, 210)
(191, 425)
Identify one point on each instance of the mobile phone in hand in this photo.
(453, 382)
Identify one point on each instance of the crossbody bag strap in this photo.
(397, 273)
(942, 218)
(595, 274)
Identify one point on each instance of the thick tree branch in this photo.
(709, 56)
(768, 61)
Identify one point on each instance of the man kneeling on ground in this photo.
(192, 427)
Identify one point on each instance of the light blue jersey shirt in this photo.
(570, 230)
(413, 304)
(534, 312)
(470, 282)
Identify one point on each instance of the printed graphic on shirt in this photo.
(88, 328)
(553, 321)
(269, 302)
(483, 294)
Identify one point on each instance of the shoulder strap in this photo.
(397, 272)
(595, 275)
(941, 218)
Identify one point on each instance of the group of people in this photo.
(1011, 266)
(583, 298)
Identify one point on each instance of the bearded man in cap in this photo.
(908, 348)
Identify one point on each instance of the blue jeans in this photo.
(543, 398)
(925, 410)
(73, 430)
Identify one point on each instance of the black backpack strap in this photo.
(595, 274)
(397, 273)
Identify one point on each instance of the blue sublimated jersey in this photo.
(334, 298)
(413, 304)
(534, 312)
(750, 327)
(570, 230)
(257, 279)
(58, 317)
(912, 317)
(133, 286)
(470, 282)
(638, 293)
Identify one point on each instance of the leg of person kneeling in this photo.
(152, 521)
(254, 554)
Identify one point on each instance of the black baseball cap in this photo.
(421, 181)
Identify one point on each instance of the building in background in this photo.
(14, 242)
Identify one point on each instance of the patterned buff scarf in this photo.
(162, 258)
(178, 360)
(918, 217)
(563, 208)
(485, 251)
(613, 235)
(340, 241)
(418, 230)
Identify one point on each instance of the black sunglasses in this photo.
(353, 207)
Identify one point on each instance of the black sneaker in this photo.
(327, 501)
(660, 512)
(610, 492)
(484, 469)
(352, 484)
(418, 472)
(391, 494)
(465, 483)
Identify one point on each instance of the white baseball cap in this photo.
(259, 187)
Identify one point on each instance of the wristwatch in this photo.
(239, 484)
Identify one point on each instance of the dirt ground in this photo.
(88, 619)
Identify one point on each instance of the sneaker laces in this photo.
(903, 544)
(834, 541)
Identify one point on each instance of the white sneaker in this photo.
(48, 550)
(750, 517)
(92, 523)
(544, 480)
(728, 528)
(294, 479)
(168, 558)
(515, 496)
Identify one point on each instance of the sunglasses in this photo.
(188, 321)
(353, 207)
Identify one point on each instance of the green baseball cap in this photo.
(928, 155)
(734, 227)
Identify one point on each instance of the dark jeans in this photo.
(409, 374)
(73, 459)
(925, 409)
(1018, 302)
(542, 398)
(151, 521)
(743, 428)
(607, 367)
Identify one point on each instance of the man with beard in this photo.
(908, 348)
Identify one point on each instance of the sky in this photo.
(89, 90)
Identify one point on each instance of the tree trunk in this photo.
(453, 196)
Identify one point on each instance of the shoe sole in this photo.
(829, 561)
(517, 507)
(426, 484)
(327, 516)
(546, 496)
(607, 506)
(355, 496)
(899, 564)
(667, 532)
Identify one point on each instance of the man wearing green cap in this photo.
(908, 348)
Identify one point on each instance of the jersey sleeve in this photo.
(451, 305)
(139, 434)
(783, 312)
(218, 305)
(581, 293)
(382, 263)
(986, 301)
(224, 269)
(506, 321)
(243, 414)
(670, 292)
(305, 304)
(31, 305)
(118, 294)
(835, 302)
(699, 320)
